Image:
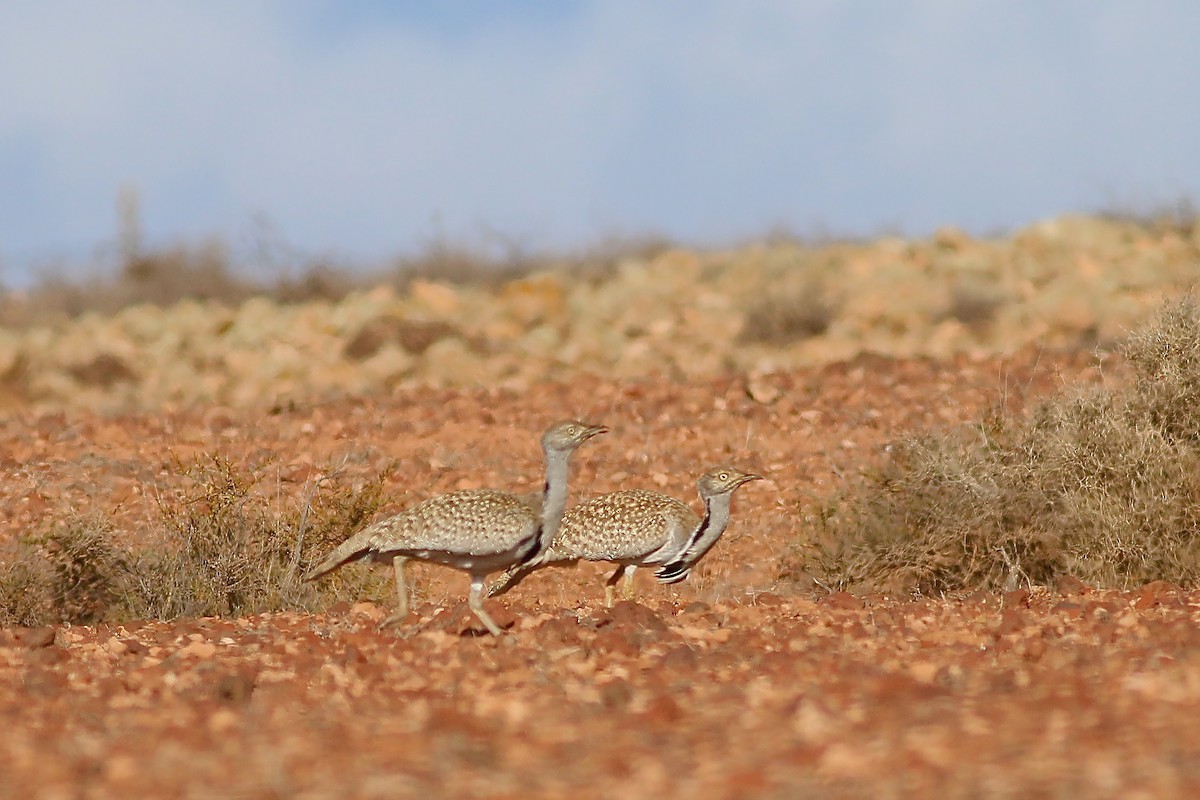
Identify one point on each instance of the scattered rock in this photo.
(460, 620)
(235, 688)
(1016, 598)
(632, 614)
(1071, 586)
(616, 694)
(34, 638)
(760, 390)
(842, 600)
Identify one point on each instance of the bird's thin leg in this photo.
(610, 583)
(401, 593)
(475, 601)
(627, 588)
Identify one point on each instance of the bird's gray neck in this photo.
(554, 497)
(716, 518)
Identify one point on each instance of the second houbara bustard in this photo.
(639, 528)
(479, 531)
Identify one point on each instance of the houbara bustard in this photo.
(478, 531)
(638, 528)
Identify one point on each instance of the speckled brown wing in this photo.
(478, 521)
(470, 529)
(632, 525)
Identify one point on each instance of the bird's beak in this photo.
(595, 430)
(750, 477)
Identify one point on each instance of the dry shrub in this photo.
(89, 571)
(789, 317)
(414, 336)
(72, 574)
(224, 550)
(1101, 484)
(158, 277)
(229, 553)
(974, 305)
(26, 581)
(209, 271)
(1179, 216)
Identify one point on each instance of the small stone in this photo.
(1011, 621)
(134, 647)
(222, 720)
(1070, 585)
(679, 659)
(35, 638)
(841, 600)
(762, 392)
(235, 688)
(663, 710)
(616, 694)
(1018, 597)
(1148, 597)
(629, 613)
(199, 649)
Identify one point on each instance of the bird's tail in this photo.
(354, 548)
(518, 572)
(509, 579)
(673, 572)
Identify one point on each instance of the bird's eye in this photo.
(571, 429)
(724, 476)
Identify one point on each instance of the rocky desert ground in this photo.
(751, 679)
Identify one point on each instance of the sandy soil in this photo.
(746, 681)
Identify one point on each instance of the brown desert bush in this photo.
(229, 553)
(73, 573)
(222, 549)
(1100, 484)
(789, 317)
(26, 581)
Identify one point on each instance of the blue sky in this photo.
(361, 130)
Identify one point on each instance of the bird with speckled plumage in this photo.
(638, 528)
(478, 531)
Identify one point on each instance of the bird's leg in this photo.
(627, 588)
(610, 583)
(401, 594)
(475, 601)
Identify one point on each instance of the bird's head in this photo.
(723, 480)
(564, 437)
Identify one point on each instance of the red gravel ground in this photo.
(746, 681)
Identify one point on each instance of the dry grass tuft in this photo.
(1100, 484)
(231, 554)
(226, 551)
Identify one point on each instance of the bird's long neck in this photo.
(716, 518)
(554, 497)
